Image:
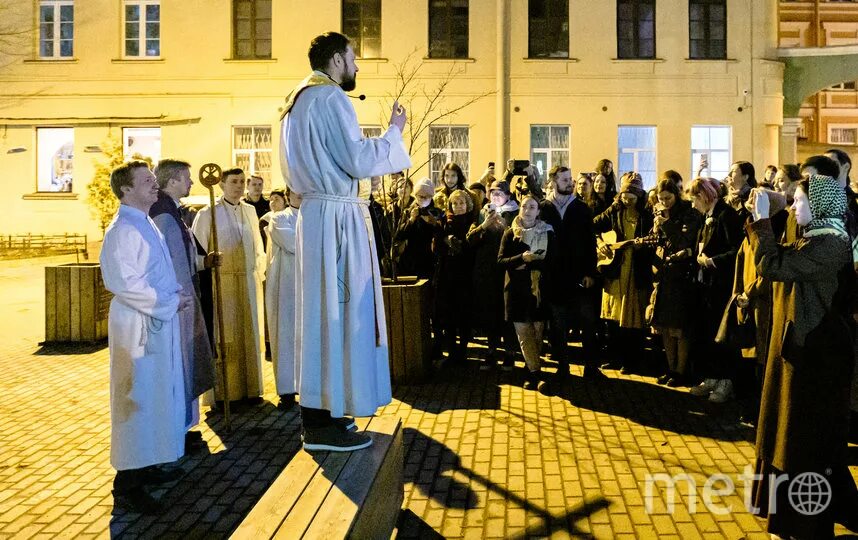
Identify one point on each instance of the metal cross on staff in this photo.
(210, 176)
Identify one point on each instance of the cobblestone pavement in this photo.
(485, 458)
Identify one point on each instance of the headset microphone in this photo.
(360, 97)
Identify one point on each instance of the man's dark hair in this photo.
(167, 169)
(554, 171)
(279, 191)
(842, 156)
(669, 185)
(230, 172)
(324, 47)
(124, 176)
(824, 165)
(253, 177)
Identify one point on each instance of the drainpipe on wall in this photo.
(502, 87)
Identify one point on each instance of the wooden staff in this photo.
(210, 176)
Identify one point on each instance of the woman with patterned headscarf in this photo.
(805, 405)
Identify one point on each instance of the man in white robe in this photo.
(242, 271)
(147, 392)
(280, 291)
(174, 182)
(341, 352)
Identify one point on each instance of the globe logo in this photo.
(809, 493)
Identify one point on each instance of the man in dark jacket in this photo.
(174, 182)
(571, 276)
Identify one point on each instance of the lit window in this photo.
(715, 143)
(448, 28)
(448, 144)
(548, 29)
(55, 149)
(251, 30)
(362, 23)
(56, 28)
(251, 151)
(549, 146)
(636, 148)
(142, 28)
(848, 85)
(842, 133)
(141, 142)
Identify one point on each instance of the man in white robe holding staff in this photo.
(147, 389)
(341, 353)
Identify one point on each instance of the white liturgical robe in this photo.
(341, 353)
(241, 273)
(280, 297)
(147, 392)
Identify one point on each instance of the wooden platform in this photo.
(330, 495)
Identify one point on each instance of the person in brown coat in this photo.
(805, 403)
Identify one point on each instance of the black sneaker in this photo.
(137, 500)
(663, 379)
(287, 402)
(194, 442)
(545, 388)
(345, 423)
(333, 439)
(157, 475)
(594, 373)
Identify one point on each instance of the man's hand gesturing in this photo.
(397, 116)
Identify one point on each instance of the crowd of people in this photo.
(748, 284)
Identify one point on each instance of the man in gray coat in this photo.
(174, 182)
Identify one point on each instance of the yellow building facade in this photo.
(829, 117)
(558, 82)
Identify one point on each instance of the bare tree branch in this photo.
(426, 106)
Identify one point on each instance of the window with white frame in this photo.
(842, 133)
(549, 146)
(55, 156)
(142, 20)
(56, 28)
(636, 149)
(715, 144)
(251, 151)
(142, 142)
(448, 144)
(365, 184)
(371, 131)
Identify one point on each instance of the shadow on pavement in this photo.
(67, 349)
(439, 484)
(656, 406)
(217, 490)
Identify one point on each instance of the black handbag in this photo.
(741, 335)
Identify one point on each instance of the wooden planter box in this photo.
(407, 308)
(76, 303)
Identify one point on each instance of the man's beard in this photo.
(349, 83)
(566, 191)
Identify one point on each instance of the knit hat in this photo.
(633, 183)
(500, 185)
(424, 186)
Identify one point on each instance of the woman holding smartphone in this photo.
(523, 252)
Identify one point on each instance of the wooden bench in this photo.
(330, 495)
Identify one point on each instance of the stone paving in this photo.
(485, 458)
